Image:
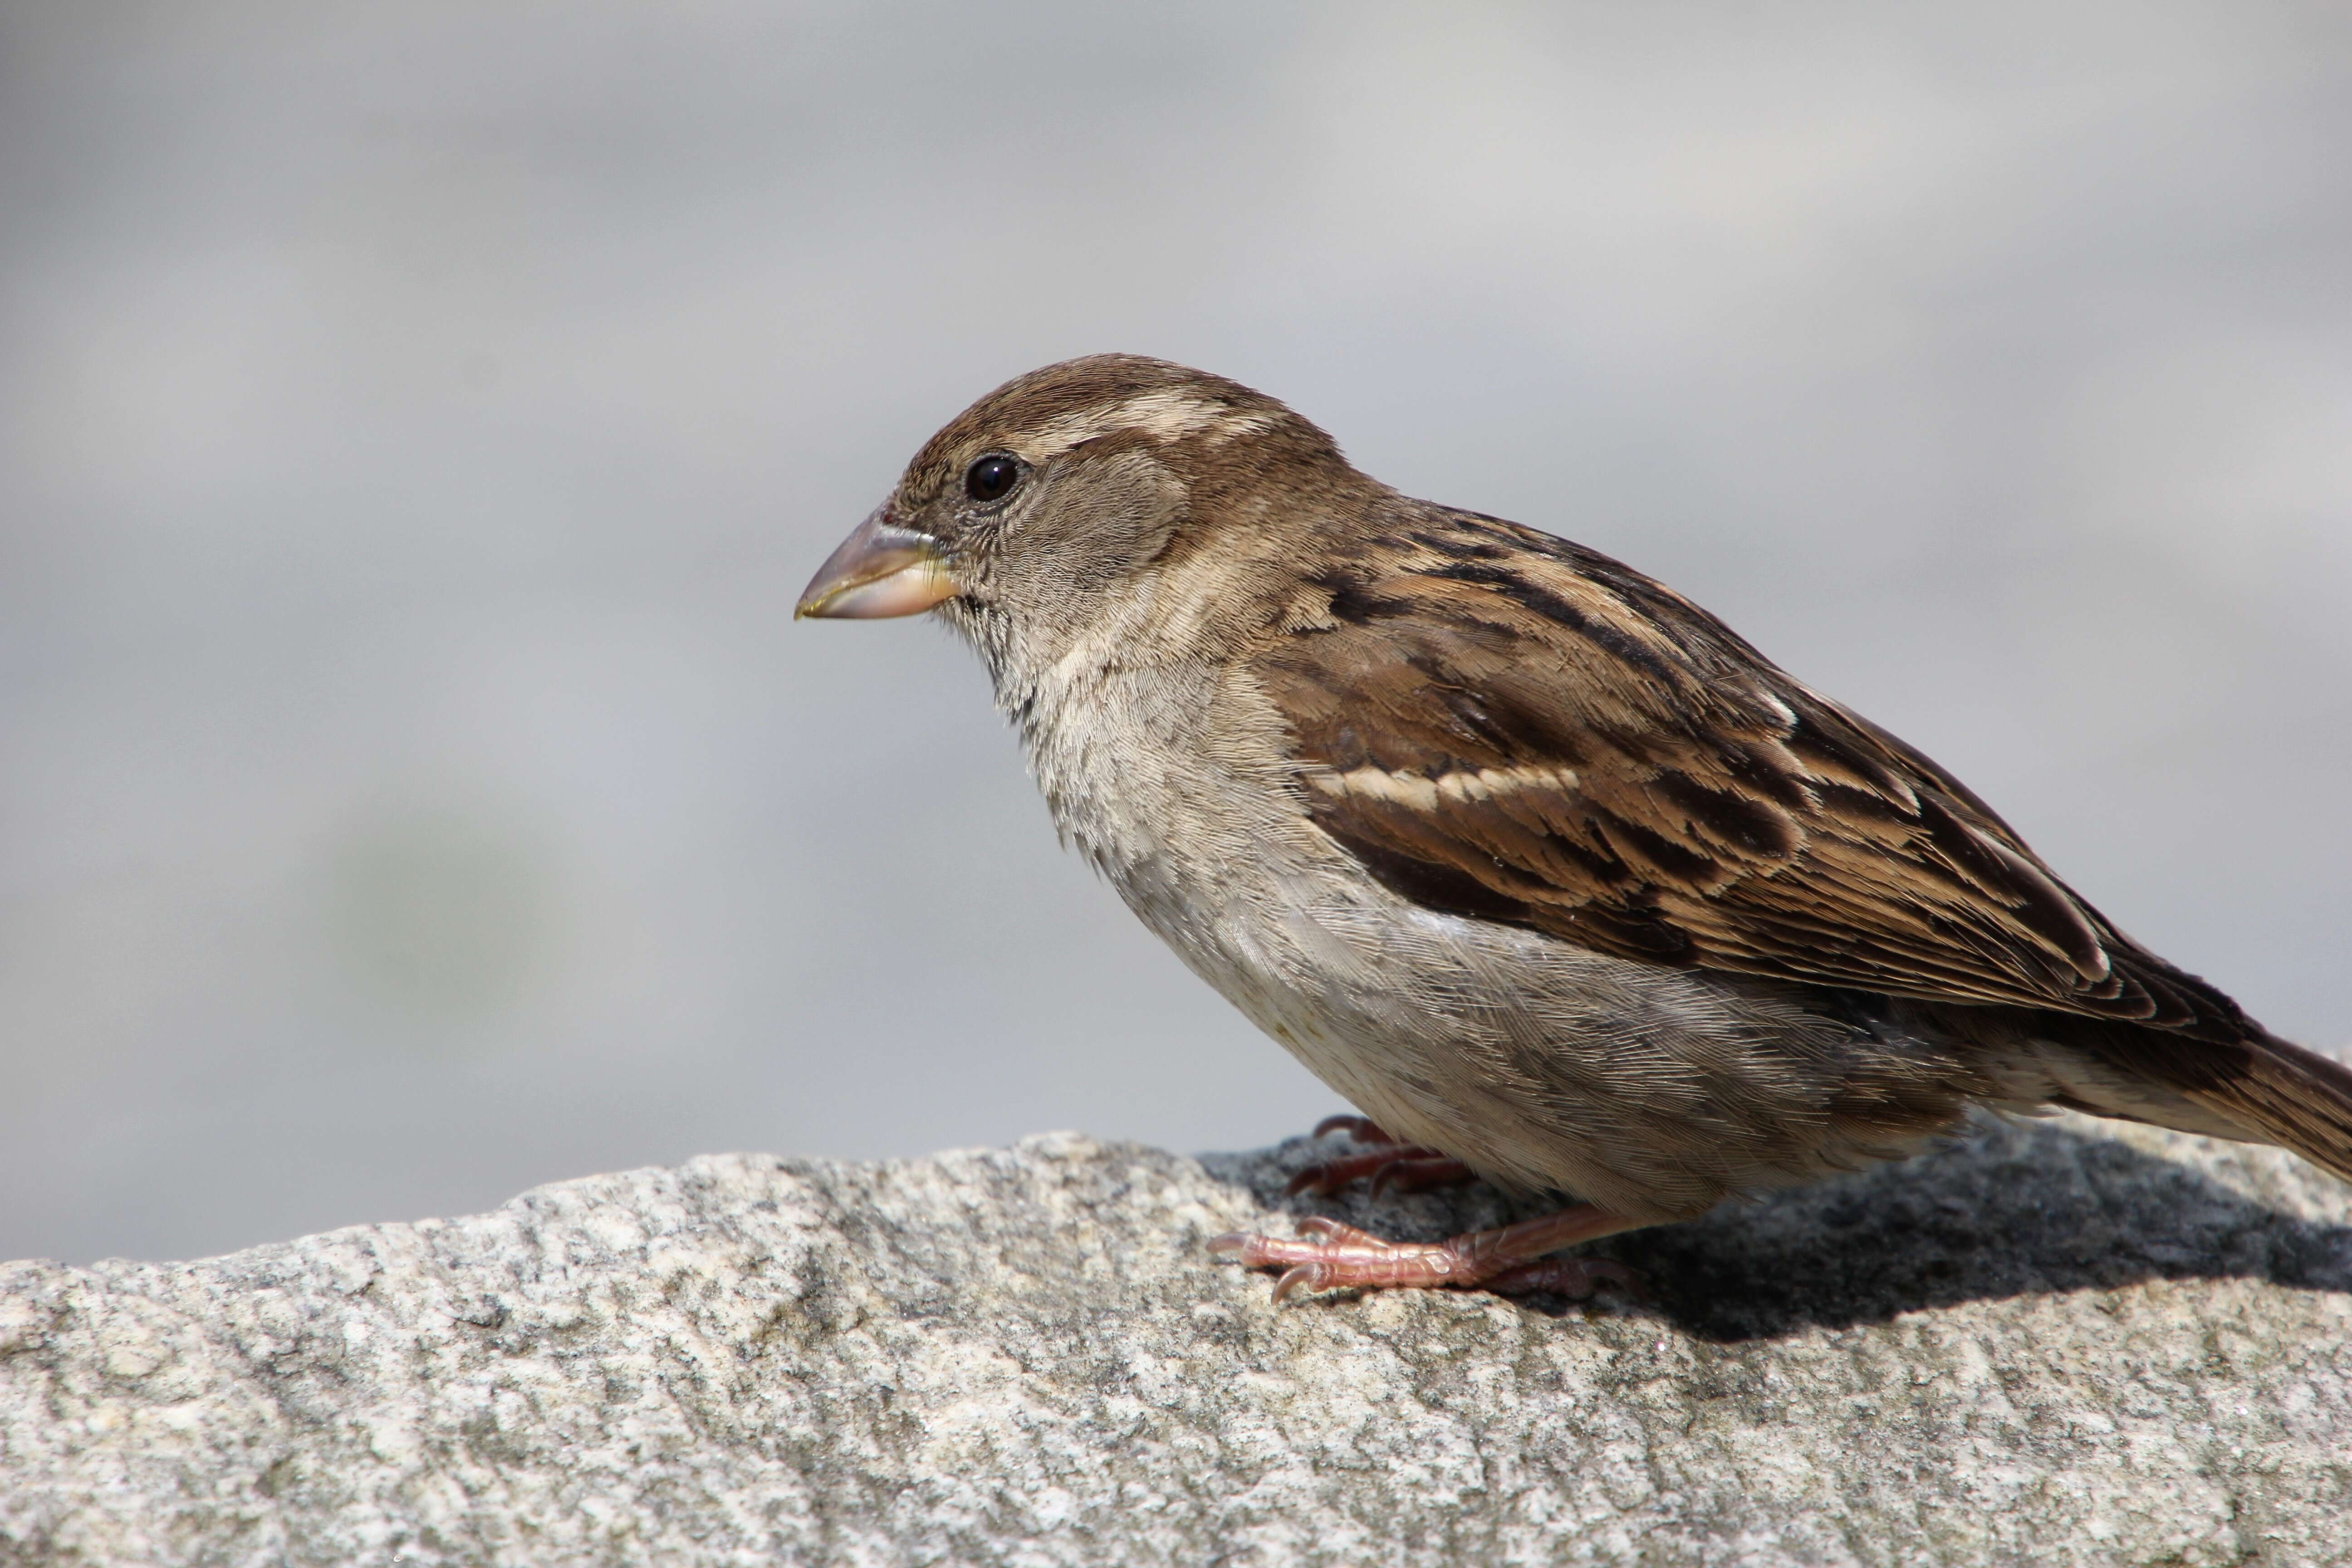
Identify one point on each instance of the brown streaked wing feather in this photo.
(1505, 725)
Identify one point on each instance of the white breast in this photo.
(1209, 843)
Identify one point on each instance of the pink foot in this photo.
(1408, 1167)
(1512, 1259)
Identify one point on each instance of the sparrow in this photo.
(1542, 867)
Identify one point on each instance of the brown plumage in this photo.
(1574, 747)
(1538, 861)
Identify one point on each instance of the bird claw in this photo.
(1330, 1255)
(1309, 1277)
(1363, 1129)
(1512, 1260)
(1407, 1167)
(1516, 1258)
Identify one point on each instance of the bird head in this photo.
(1079, 493)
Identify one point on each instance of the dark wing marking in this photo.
(1502, 724)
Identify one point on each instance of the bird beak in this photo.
(880, 570)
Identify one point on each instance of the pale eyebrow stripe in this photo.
(1163, 414)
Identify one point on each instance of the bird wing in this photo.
(1501, 724)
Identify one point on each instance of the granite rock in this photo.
(2048, 1342)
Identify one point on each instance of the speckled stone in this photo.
(2059, 1343)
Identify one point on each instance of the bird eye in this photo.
(991, 477)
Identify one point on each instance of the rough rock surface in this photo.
(2057, 1342)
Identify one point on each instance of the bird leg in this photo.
(1407, 1167)
(1510, 1259)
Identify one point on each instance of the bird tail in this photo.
(2256, 1087)
(2248, 1084)
(2289, 1095)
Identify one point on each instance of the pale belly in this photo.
(1656, 1092)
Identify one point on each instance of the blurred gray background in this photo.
(416, 420)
